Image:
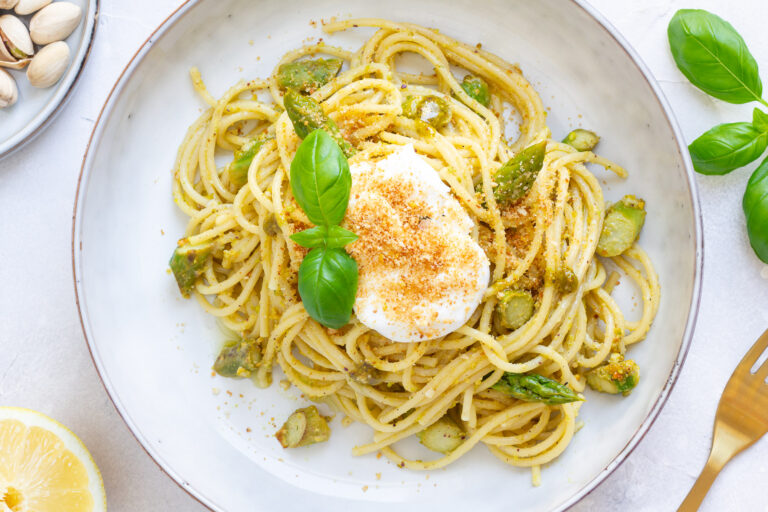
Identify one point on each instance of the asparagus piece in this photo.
(432, 110)
(621, 227)
(515, 307)
(304, 427)
(477, 89)
(533, 387)
(617, 376)
(442, 436)
(366, 373)
(307, 75)
(583, 140)
(188, 262)
(238, 168)
(307, 116)
(238, 359)
(271, 227)
(565, 280)
(515, 178)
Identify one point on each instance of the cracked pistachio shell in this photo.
(8, 91)
(14, 30)
(24, 7)
(48, 65)
(54, 22)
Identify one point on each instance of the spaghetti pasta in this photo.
(249, 283)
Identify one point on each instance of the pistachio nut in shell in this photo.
(24, 7)
(14, 64)
(7, 4)
(54, 22)
(15, 37)
(48, 65)
(9, 93)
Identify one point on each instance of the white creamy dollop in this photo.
(421, 275)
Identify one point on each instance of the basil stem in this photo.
(714, 57)
(727, 147)
(533, 387)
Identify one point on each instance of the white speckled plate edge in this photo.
(63, 90)
(694, 298)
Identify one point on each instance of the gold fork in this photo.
(741, 419)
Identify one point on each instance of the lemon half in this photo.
(44, 467)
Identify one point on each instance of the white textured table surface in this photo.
(45, 365)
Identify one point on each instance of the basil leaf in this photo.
(713, 56)
(339, 237)
(760, 120)
(757, 187)
(320, 179)
(320, 236)
(328, 285)
(755, 206)
(313, 237)
(533, 387)
(727, 147)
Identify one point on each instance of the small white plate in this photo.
(154, 349)
(35, 108)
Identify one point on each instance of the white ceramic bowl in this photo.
(154, 350)
(35, 108)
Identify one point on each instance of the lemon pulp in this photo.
(44, 467)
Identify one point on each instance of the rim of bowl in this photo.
(61, 98)
(693, 307)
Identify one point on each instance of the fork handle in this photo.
(703, 483)
(726, 442)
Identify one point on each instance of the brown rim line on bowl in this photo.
(697, 243)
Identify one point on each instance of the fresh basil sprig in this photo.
(321, 182)
(715, 58)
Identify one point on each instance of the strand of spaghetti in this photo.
(200, 88)
(468, 443)
(250, 280)
(519, 422)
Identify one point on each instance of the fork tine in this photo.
(754, 353)
(762, 372)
